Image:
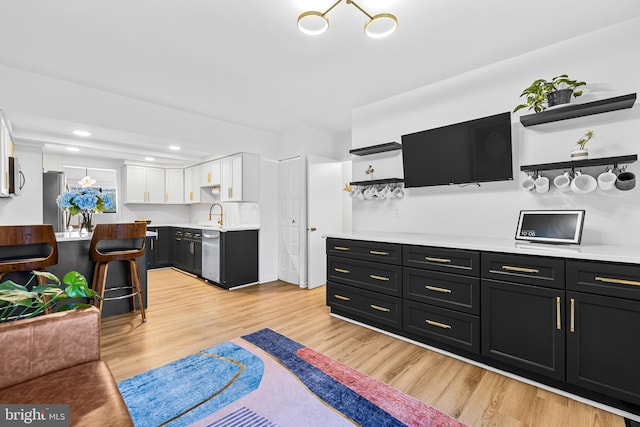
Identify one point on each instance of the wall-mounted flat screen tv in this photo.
(473, 151)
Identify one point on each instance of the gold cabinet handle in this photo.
(384, 279)
(342, 298)
(379, 253)
(572, 320)
(438, 324)
(618, 281)
(340, 248)
(558, 315)
(166, 197)
(442, 260)
(209, 177)
(341, 270)
(520, 269)
(190, 196)
(436, 289)
(377, 307)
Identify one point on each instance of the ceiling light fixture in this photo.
(314, 23)
(149, 159)
(73, 149)
(81, 133)
(174, 148)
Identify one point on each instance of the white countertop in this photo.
(70, 236)
(613, 253)
(210, 226)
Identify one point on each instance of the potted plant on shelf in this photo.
(19, 302)
(542, 94)
(582, 153)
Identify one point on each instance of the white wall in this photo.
(27, 208)
(605, 59)
(305, 140)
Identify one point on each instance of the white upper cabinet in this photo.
(192, 185)
(143, 184)
(6, 150)
(174, 186)
(210, 174)
(240, 178)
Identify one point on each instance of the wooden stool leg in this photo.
(99, 281)
(131, 281)
(136, 283)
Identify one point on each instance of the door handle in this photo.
(312, 229)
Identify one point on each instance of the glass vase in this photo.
(86, 226)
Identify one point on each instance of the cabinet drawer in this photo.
(439, 324)
(528, 269)
(445, 290)
(441, 259)
(389, 253)
(372, 276)
(619, 280)
(380, 308)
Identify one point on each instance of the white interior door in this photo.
(324, 212)
(289, 204)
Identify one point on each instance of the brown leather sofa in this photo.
(55, 359)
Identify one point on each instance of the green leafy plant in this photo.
(536, 93)
(19, 302)
(585, 138)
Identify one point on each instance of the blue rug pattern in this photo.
(224, 373)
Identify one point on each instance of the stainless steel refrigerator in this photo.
(53, 184)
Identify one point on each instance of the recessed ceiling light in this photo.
(73, 149)
(81, 133)
(174, 148)
(149, 159)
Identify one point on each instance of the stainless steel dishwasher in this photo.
(211, 255)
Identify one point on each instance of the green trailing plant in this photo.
(536, 93)
(585, 138)
(19, 302)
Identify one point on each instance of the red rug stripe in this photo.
(402, 406)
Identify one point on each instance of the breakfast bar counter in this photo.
(73, 255)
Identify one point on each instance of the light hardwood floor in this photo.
(186, 315)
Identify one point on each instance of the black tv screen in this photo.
(473, 151)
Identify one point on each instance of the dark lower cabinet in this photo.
(238, 258)
(569, 323)
(603, 345)
(523, 326)
(187, 250)
(159, 248)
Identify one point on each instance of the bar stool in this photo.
(118, 251)
(28, 259)
(27, 253)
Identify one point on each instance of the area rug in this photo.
(267, 379)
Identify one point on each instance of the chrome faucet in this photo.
(220, 221)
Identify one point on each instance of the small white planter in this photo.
(580, 154)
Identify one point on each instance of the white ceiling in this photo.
(245, 62)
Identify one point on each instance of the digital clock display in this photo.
(550, 226)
